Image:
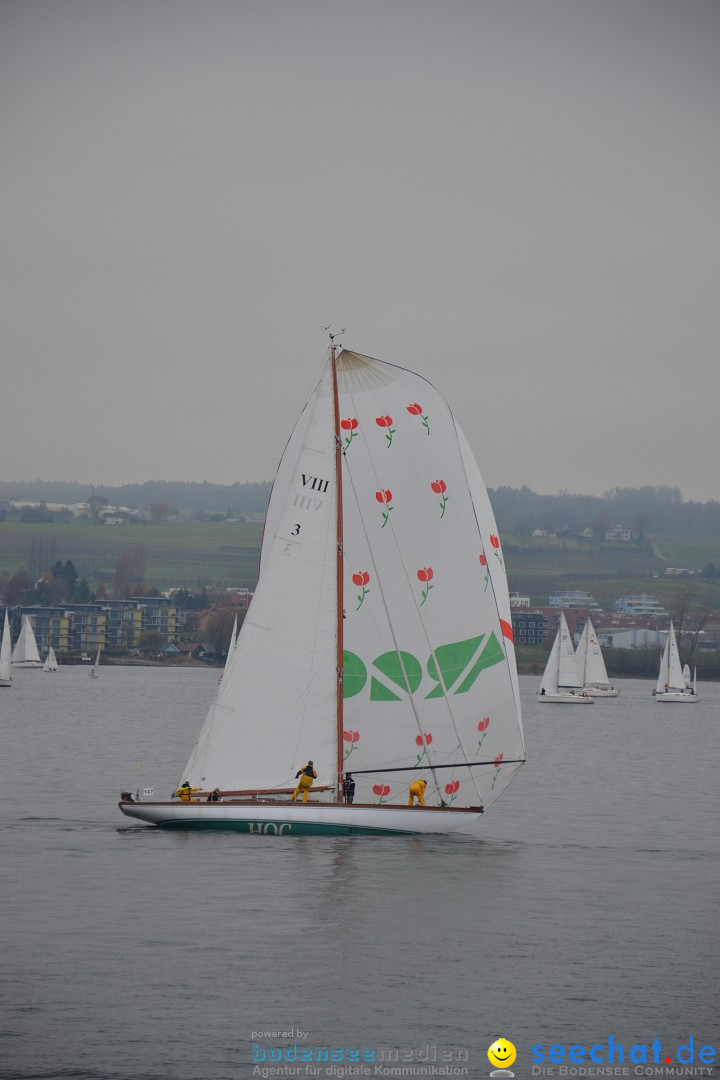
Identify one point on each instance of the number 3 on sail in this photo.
(379, 637)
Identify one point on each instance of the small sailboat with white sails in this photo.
(95, 669)
(561, 683)
(5, 655)
(671, 684)
(591, 665)
(51, 663)
(25, 654)
(379, 637)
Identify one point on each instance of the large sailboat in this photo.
(25, 654)
(379, 638)
(591, 665)
(561, 683)
(5, 655)
(671, 685)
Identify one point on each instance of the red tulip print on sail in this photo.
(425, 575)
(386, 422)
(495, 541)
(496, 764)
(351, 425)
(440, 487)
(352, 738)
(483, 563)
(483, 725)
(385, 497)
(361, 580)
(416, 410)
(451, 790)
(382, 790)
(423, 741)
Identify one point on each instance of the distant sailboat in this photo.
(25, 653)
(51, 663)
(671, 685)
(5, 655)
(591, 666)
(561, 683)
(94, 670)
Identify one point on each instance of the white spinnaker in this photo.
(428, 681)
(276, 705)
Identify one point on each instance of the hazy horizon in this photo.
(519, 201)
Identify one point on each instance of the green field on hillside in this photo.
(691, 554)
(188, 553)
(227, 553)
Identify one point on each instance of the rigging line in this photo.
(423, 624)
(419, 768)
(398, 652)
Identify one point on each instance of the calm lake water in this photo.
(587, 908)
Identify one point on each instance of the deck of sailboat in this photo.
(285, 804)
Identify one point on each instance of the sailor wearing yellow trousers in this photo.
(307, 775)
(417, 791)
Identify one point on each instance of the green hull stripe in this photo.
(289, 828)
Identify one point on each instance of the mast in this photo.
(339, 589)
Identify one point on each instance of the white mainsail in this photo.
(51, 663)
(670, 678)
(94, 670)
(568, 675)
(277, 698)
(428, 671)
(549, 681)
(5, 655)
(589, 659)
(25, 653)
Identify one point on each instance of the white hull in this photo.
(678, 695)
(288, 819)
(599, 691)
(27, 663)
(567, 698)
(5, 682)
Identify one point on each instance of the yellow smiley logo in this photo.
(502, 1053)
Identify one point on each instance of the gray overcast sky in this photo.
(519, 199)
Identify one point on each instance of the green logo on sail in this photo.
(453, 668)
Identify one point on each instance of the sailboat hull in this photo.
(566, 698)
(677, 696)
(599, 691)
(291, 819)
(5, 682)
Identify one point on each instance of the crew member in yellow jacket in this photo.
(307, 774)
(184, 792)
(417, 791)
